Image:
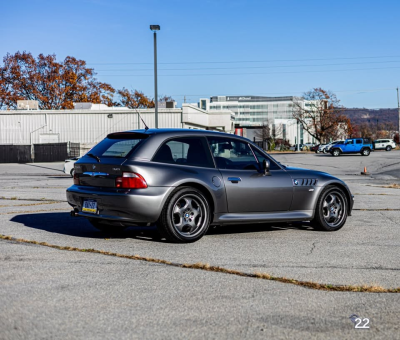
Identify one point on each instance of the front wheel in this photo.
(336, 152)
(325, 151)
(365, 152)
(331, 210)
(185, 217)
(388, 148)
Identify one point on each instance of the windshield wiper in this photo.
(94, 156)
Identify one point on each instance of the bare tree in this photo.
(322, 115)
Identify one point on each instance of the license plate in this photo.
(89, 206)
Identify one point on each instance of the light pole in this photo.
(155, 28)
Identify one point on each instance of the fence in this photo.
(51, 152)
(15, 154)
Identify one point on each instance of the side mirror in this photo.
(266, 167)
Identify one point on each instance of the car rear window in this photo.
(192, 151)
(119, 145)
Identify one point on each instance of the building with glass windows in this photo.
(252, 112)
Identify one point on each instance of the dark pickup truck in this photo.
(363, 146)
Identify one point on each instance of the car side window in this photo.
(232, 154)
(185, 151)
(358, 141)
(261, 157)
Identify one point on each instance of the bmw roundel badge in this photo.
(296, 182)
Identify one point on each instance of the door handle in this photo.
(234, 179)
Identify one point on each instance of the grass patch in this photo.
(217, 269)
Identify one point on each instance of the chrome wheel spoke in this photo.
(187, 215)
(333, 209)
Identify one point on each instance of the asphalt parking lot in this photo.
(47, 292)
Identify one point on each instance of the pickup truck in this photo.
(352, 145)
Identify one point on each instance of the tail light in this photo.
(130, 180)
(76, 179)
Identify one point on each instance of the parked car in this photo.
(353, 145)
(69, 166)
(329, 146)
(384, 144)
(308, 146)
(296, 147)
(183, 181)
(315, 148)
(321, 148)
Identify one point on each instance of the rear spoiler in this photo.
(127, 135)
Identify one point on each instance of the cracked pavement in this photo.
(47, 293)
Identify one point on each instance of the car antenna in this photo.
(145, 126)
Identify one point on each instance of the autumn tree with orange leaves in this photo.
(322, 115)
(55, 85)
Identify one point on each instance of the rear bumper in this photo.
(131, 206)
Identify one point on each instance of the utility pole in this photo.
(155, 28)
(398, 106)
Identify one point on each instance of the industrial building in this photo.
(89, 123)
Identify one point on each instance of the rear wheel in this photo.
(72, 172)
(336, 152)
(365, 152)
(388, 148)
(105, 227)
(331, 210)
(185, 216)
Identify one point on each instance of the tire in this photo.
(105, 227)
(388, 148)
(331, 210)
(72, 172)
(365, 152)
(325, 151)
(335, 152)
(185, 217)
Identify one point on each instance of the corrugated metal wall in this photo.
(80, 127)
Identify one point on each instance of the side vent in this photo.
(304, 182)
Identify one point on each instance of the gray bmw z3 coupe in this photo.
(183, 181)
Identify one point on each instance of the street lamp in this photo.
(155, 28)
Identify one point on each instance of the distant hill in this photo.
(368, 116)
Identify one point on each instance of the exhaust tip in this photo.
(73, 213)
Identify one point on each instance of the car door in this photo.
(247, 188)
(349, 146)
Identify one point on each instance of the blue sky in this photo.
(205, 48)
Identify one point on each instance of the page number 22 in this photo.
(361, 323)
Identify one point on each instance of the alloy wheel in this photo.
(189, 215)
(333, 209)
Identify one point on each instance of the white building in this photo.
(252, 112)
(88, 123)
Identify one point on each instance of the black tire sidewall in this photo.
(365, 150)
(319, 222)
(165, 224)
(388, 148)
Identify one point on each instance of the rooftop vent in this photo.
(27, 105)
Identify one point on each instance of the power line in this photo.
(285, 93)
(244, 74)
(244, 61)
(246, 67)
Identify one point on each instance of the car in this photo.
(183, 180)
(315, 147)
(321, 148)
(296, 147)
(351, 146)
(328, 147)
(309, 145)
(69, 166)
(384, 144)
